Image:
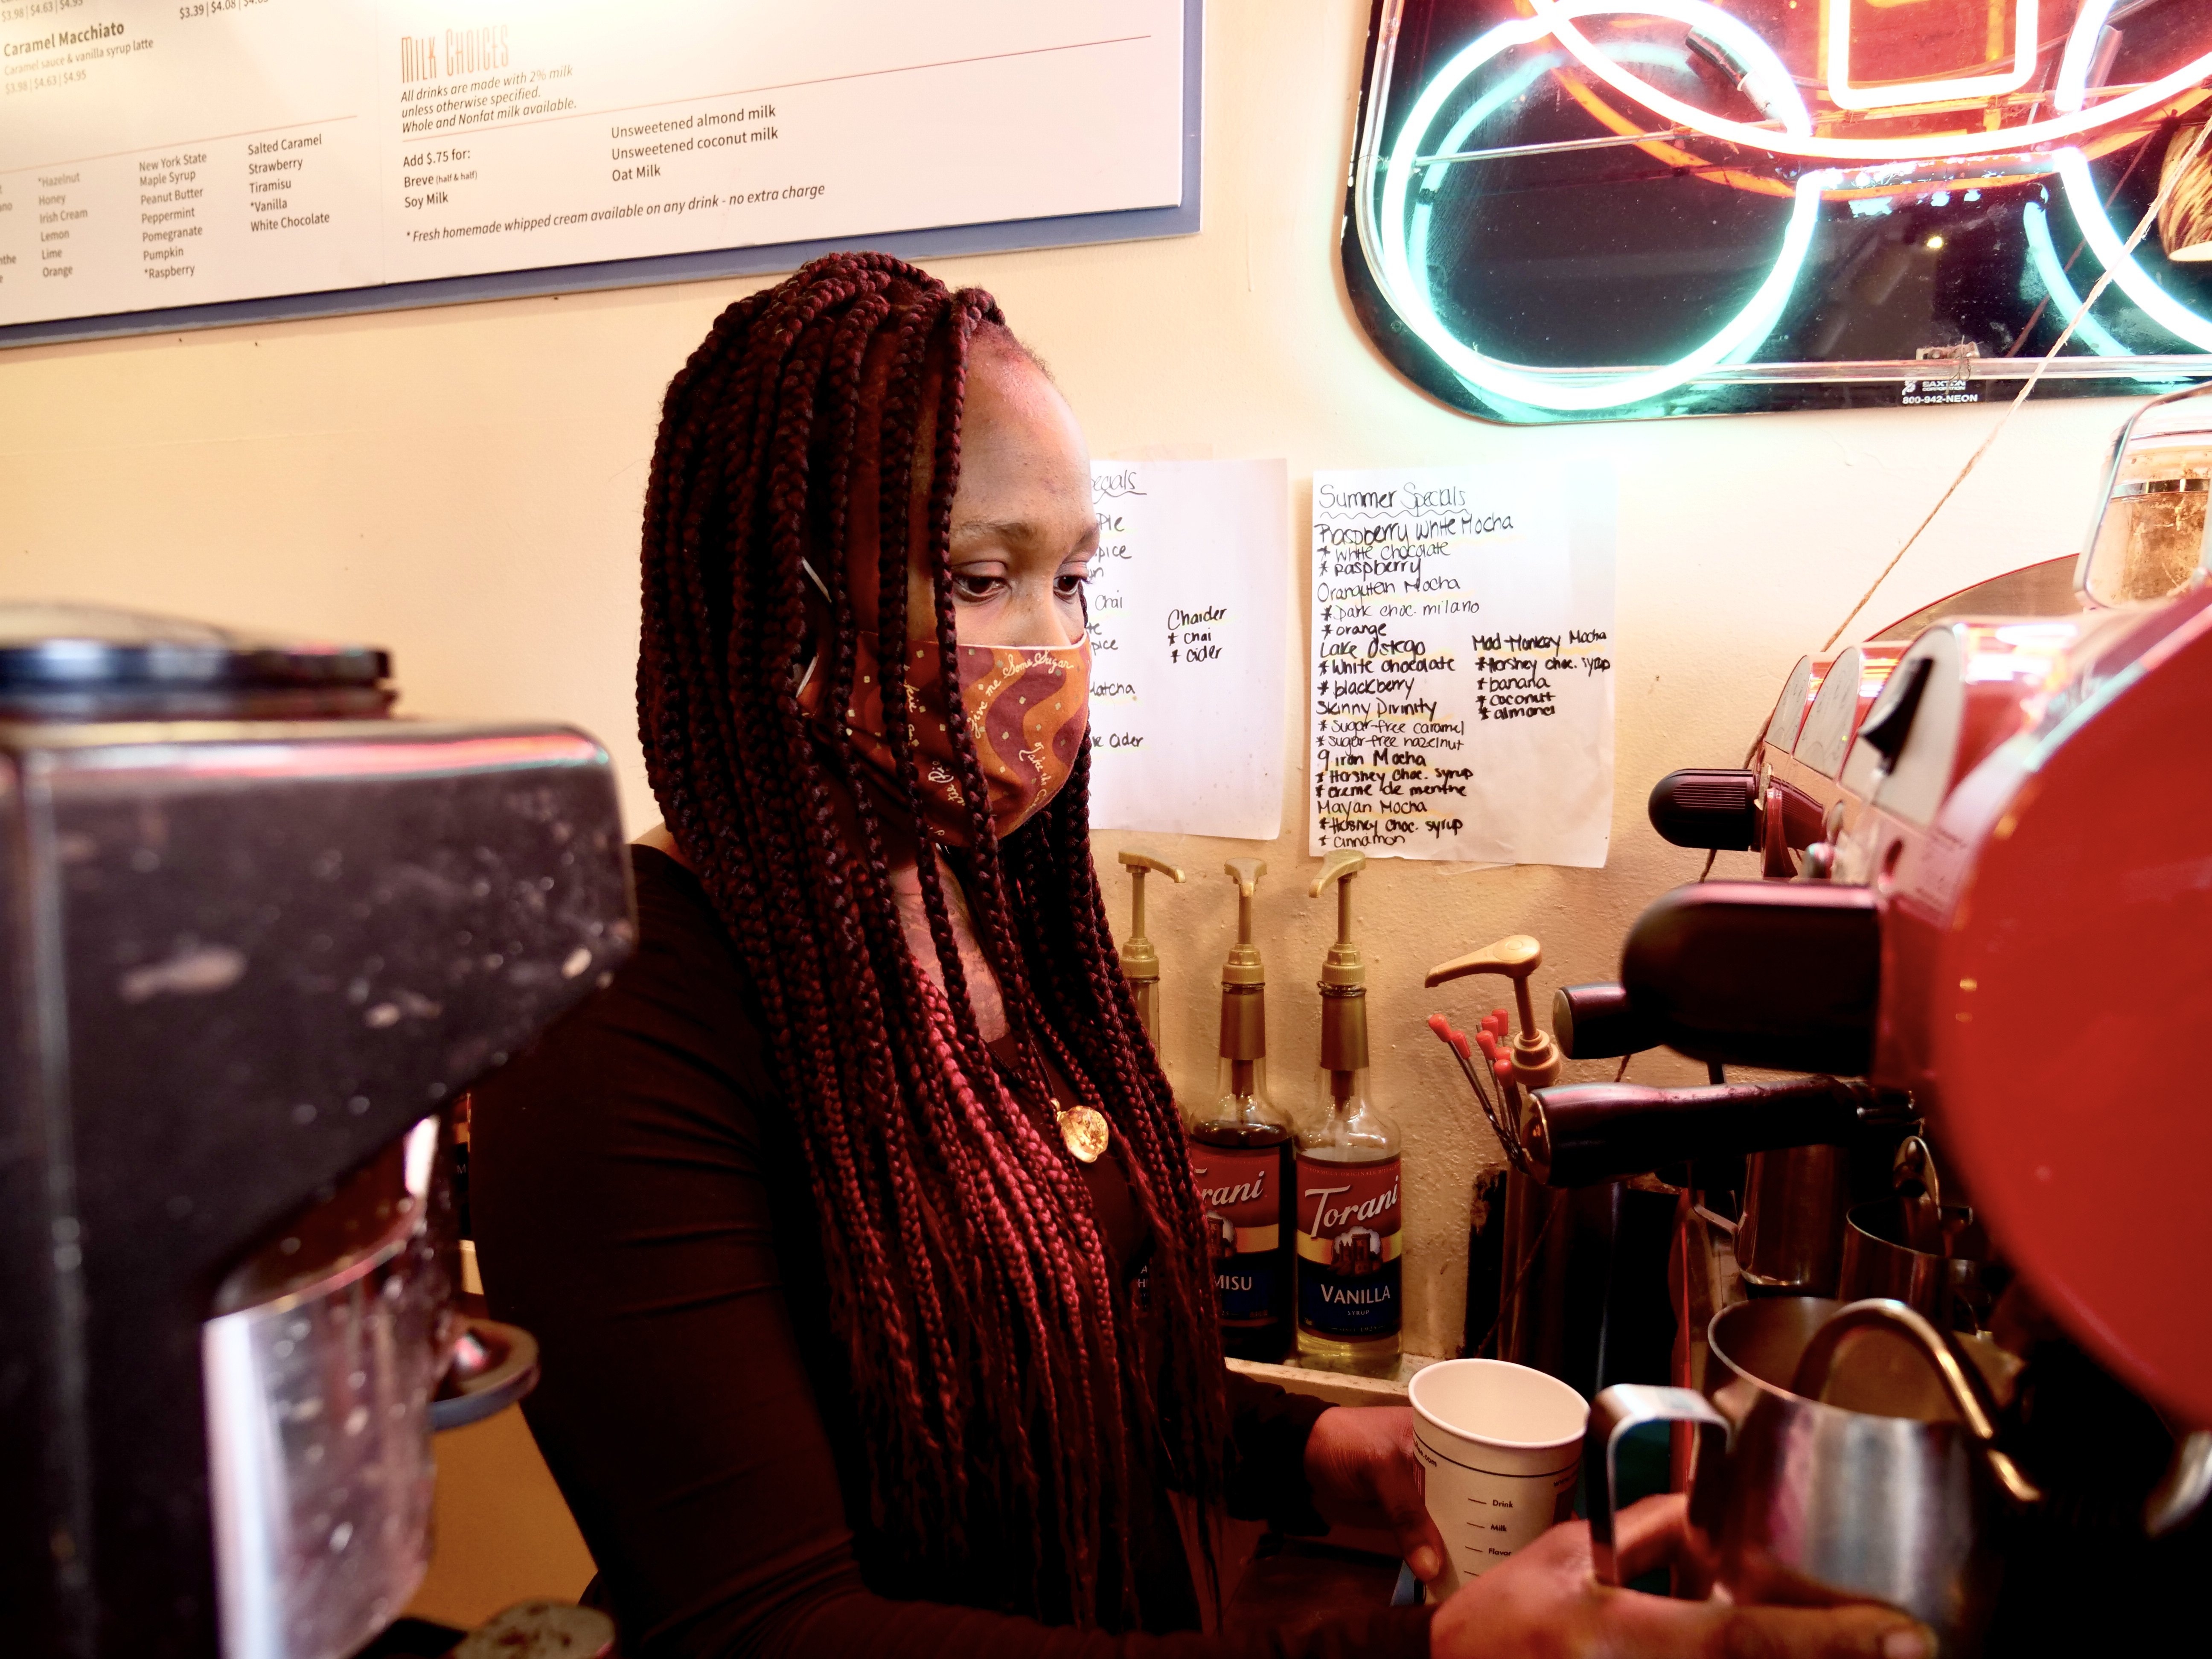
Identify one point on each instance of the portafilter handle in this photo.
(1581, 1133)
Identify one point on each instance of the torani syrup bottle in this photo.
(1240, 1157)
(1348, 1198)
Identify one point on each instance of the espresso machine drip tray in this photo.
(320, 1364)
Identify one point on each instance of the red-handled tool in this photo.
(1463, 1051)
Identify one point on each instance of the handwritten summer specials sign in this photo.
(1462, 686)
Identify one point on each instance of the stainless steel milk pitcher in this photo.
(1883, 1490)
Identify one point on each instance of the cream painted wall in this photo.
(462, 484)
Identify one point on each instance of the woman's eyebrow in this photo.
(1019, 531)
(1020, 534)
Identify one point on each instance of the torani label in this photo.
(1348, 1246)
(1238, 1187)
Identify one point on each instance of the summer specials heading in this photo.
(303, 146)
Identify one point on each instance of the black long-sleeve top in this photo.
(640, 1203)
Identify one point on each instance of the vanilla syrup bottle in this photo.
(1241, 1156)
(1351, 1263)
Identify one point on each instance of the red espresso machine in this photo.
(258, 936)
(1984, 838)
(2001, 922)
(2003, 916)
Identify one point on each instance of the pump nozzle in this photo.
(1243, 984)
(1535, 1056)
(1343, 965)
(1244, 966)
(1140, 963)
(1343, 982)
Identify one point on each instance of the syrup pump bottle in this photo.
(1140, 963)
(1240, 1157)
(1348, 1209)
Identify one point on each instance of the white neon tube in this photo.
(1559, 15)
(2071, 90)
(1479, 111)
(1410, 293)
(2161, 307)
(1903, 95)
(2043, 253)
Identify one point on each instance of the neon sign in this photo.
(1912, 155)
(2074, 120)
(1912, 93)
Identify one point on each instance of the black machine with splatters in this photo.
(258, 936)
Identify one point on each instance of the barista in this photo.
(852, 1217)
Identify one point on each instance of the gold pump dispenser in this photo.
(1349, 1238)
(1343, 982)
(1244, 990)
(1240, 1156)
(1140, 963)
(1534, 1055)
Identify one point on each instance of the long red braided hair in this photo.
(996, 1368)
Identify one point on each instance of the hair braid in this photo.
(996, 1368)
(1093, 1001)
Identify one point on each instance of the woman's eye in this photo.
(970, 586)
(1071, 586)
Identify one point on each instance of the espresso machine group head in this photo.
(258, 936)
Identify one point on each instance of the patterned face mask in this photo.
(1027, 708)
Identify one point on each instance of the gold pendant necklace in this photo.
(1083, 1129)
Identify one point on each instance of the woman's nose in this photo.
(1034, 616)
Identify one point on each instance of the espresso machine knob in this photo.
(1595, 1022)
(1698, 807)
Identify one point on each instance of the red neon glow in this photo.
(1987, 138)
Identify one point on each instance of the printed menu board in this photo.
(156, 155)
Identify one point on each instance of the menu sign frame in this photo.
(475, 163)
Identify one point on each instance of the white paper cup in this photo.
(1499, 1447)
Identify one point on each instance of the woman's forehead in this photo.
(1022, 452)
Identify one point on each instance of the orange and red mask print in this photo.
(1027, 709)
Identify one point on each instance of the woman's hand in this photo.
(1360, 1463)
(1545, 1603)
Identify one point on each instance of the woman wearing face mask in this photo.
(853, 1219)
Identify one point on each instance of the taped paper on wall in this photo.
(1189, 603)
(1462, 664)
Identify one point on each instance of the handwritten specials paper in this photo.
(1189, 603)
(1462, 664)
